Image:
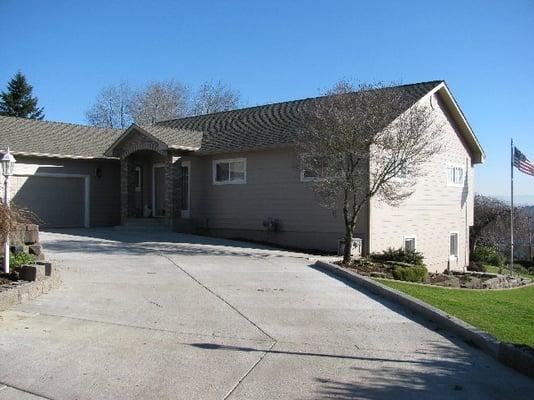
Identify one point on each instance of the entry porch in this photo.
(154, 180)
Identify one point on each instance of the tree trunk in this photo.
(348, 244)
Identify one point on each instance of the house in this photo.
(234, 174)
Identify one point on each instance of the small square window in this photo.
(409, 243)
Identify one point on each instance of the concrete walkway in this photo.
(170, 316)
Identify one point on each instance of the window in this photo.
(315, 170)
(230, 171)
(138, 179)
(455, 175)
(453, 245)
(409, 243)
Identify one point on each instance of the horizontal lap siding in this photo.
(273, 189)
(434, 209)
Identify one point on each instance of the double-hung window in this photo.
(455, 175)
(232, 171)
(409, 243)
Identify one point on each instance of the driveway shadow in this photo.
(166, 243)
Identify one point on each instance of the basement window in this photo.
(232, 171)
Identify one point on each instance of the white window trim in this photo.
(414, 237)
(454, 257)
(187, 213)
(229, 160)
(451, 183)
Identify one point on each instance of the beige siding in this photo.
(104, 200)
(273, 189)
(435, 209)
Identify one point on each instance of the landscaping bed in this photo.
(408, 266)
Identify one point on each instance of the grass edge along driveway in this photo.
(506, 314)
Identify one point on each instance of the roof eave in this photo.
(53, 155)
(478, 154)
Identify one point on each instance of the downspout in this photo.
(466, 241)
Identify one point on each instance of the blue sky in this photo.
(280, 50)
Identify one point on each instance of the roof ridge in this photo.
(60, 123)
(289, 102)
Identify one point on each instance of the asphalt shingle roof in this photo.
(55, 138)
(176, 138)
(265, 126)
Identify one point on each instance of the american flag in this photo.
(522, 163)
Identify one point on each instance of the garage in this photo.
(58, 200)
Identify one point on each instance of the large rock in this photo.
(35, 272)
(35, 249)
(31, 237)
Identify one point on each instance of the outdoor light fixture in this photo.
(8, 163)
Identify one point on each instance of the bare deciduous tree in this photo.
(487, 212)
(364, 141)
(111, 109)
(492, 226)
(160, 101)
(214, 97)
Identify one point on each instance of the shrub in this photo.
(476, 267)
(10, 217)
(399, 255)
(520, 269)
(20, 259)
(416, 273)
(489, 255)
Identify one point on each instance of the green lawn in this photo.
(506, 314)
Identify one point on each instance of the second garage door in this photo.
(59, 202)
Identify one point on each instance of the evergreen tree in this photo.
(18, 101)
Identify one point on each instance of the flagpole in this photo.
(512, 207)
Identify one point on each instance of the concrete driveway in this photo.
(171, 316)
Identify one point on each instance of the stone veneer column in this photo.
(172, 188)
(124, 190)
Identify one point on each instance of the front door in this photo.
(159, 190)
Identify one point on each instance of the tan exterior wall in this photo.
(104, 197)
(273, 189)
(435, 209)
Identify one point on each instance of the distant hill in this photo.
(520, 200)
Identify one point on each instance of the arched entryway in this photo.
(153, 177)
(146, 185)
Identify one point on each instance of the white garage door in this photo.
(59, 202)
